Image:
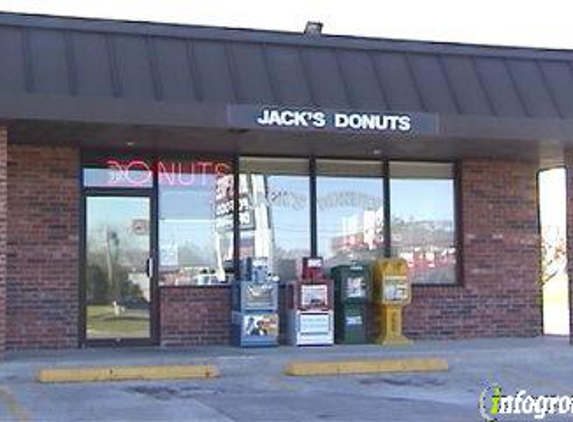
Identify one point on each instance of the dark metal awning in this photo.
(101, 83)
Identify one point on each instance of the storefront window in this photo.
(195, 222)
(422, 222)
(194, 211)
(350, 211)
(274, 213)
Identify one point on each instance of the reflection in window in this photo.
(195, 222)
(423, 226)
(118, 294)
(350, 211)
(274, 213)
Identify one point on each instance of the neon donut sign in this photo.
(139, 173)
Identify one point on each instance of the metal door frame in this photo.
(154, 334)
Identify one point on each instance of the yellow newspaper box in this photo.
(392, 290)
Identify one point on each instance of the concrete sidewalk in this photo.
(253, 388)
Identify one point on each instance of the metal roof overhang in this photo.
(204, 127)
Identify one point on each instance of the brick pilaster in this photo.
(3, 234)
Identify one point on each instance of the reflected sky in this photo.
(422, 200)
(116, 213)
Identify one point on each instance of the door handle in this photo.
(149, 267)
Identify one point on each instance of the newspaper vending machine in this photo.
(310, 314)
(255, 306)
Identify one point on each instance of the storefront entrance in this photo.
(120, 289)
(150, 224)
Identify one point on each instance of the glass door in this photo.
(119, 293)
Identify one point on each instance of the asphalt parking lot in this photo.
(253, 388)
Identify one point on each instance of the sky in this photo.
(551, 199)
(524, 23)
(545, 24)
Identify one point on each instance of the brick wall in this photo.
(43, 247)
(195, 315)
(501, 295)
(569, 180)
(3, 235)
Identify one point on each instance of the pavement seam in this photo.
(13, 406)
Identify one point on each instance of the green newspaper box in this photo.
(351, 293)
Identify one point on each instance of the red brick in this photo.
(43, 247)
(193, 315)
